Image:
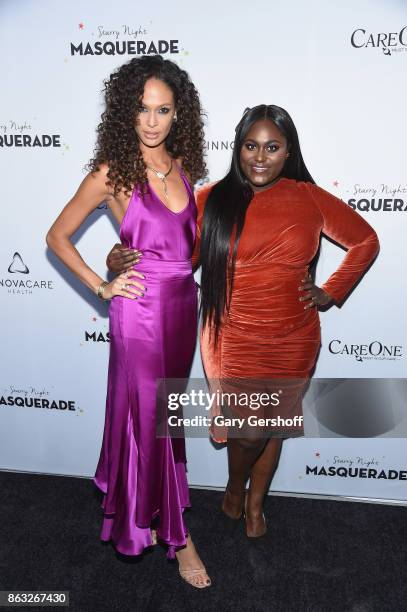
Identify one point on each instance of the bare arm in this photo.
(90, 193)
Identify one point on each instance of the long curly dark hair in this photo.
(117, 142)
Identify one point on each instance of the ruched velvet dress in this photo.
(268, 335)
(142, 476)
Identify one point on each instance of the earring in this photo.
(287, 156)
(175, 117)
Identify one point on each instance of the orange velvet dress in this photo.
(268, 337)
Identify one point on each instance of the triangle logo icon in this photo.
(17, 265)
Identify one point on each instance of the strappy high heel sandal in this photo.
(192, 576)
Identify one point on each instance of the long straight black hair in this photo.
(225, 211)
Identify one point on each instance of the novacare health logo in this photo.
(19, 281)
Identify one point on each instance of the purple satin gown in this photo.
(143, 477)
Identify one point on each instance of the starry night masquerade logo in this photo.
(122, 40)
(22, 134)
(353, 467)
(379, 197)
(33, 397)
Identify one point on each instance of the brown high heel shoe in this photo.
(256, 530)
(239, 512)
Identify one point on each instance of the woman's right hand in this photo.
(120, 258)
(125, 285)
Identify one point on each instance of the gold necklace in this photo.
(161, 176)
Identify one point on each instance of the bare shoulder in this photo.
(100, 176)
(179, 162)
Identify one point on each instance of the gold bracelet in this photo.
(101, 288)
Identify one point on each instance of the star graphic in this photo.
(81, 26)
(336, 183)
(317, 454)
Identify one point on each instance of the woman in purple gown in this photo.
(149, 150)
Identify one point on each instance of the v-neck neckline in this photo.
(174, 212)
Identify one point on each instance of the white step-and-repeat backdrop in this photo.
(338, 68)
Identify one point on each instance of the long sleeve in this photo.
(346, 227)
(201, 196)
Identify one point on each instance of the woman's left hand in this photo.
(315, 296)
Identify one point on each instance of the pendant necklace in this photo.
(161, 176)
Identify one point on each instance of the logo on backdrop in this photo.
(96, 336)
(376, 198)
(375, 349)
(353, 467)
(124, 39)
(19, 281)
(389, 42)
(22, 134)
(219, 145)
(17, 265)
(33, 397)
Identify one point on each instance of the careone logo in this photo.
(388, 42)
(22, 134)
(121, 40)
(19, 282)
(375, 349)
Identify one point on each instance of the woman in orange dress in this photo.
(259, 231)
(258, 236)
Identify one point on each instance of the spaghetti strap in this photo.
(185, 179)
